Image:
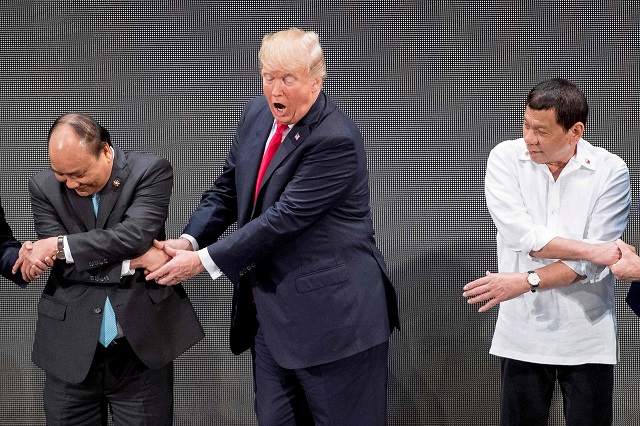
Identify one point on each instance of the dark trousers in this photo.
(136, 394)
(527, 389)
(351, 391)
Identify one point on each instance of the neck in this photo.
(556, 168)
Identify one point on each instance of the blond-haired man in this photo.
(312, 297)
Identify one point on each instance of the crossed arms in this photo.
(141, 207)
(590, 212)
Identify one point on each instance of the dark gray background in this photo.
(433, 86)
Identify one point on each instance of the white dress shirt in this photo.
(588, 202)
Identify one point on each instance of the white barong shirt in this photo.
(589, 202)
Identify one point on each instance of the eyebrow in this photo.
(535, 126)
(78, 173)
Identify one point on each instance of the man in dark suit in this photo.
(312, 297)
(10, 253)
(9, 249)
(104, 333)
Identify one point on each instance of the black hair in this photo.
(563, 95)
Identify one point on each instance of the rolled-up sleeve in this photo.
(608, 217)
(506, 204)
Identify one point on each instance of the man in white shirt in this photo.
(552, 195)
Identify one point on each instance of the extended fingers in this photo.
(163, 275)
(155, 275)
(490, 304)
(476, 283)
(17, 266)
(478, 298)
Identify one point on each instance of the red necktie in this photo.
(276, 140)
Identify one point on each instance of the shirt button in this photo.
(97, 310)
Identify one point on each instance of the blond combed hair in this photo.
(293, 49)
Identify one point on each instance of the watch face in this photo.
(533, 278)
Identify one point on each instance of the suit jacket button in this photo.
(97, 310)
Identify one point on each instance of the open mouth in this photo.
(279, 106)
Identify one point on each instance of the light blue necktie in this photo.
(108, 329)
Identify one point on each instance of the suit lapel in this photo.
(82, 207)
(111, 191)
(249, 163)
(296, 136)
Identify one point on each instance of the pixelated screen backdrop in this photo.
(433, 86)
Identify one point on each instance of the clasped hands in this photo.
(181, 262)
(627, 268)
(167, 262)
(499, 287)
(34, 258)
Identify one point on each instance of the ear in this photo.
(576, 131)
(317, 84)
(106, 150)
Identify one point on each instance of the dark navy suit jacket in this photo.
(305, 252)
(159, 322)
(9, 248)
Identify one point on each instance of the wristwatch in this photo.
(534, 280)
(60, 249)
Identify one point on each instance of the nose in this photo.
(276, 88)
(529, 136)
(72, 184)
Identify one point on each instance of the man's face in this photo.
(290, 93)
(546, 139)
(74, 165)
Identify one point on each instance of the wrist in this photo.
(188, 245)
(587, 251)
(137, 263)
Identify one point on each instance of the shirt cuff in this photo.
(535, 239)
(67, 251)
(584, 269)
(126, 269)
(192, 240)
(209, 264)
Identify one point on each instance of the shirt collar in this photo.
(583, 157)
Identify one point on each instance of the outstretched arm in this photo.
(494, 288)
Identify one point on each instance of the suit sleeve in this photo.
(323, 178)
(105, 249)
(218, 207)
(9, 248)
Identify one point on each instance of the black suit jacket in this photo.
(305, 252)
(159, 322)
(9, 248)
